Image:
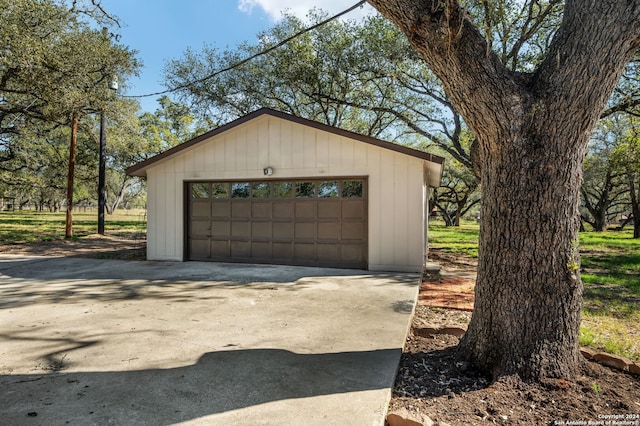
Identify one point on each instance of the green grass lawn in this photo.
(455, 239)
(610, 271)
(19, 227)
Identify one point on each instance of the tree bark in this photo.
(71, 176)
(532, 133)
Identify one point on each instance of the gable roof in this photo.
(140, 169)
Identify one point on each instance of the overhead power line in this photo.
(252, 57)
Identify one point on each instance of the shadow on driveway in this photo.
(75, 279)
(219, 382)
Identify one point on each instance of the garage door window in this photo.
(200, 190)
(328, 189)
(261, 190)
(282, 189)
(240, 190)
(352, 189)
(305, 189)
(220, 190)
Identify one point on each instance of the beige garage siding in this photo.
(396, 183)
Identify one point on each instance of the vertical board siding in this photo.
(152, 208)
(274, 147)
(161, 208)
(395, 210)
(360, 159)
(250, 152)
(415, 207)
(188, 163)
(286, 149)
(308, 143)
(200, 156)
(347, 153)
(376, 200)
(400, 212)
(297, 145)
(322, 150)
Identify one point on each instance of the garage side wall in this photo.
(396, 184)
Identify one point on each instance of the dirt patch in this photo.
(430, 381)
(116, 245)
(453, 262)
(447, 292)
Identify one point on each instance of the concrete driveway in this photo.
(87, 341)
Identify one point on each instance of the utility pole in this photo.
(102, 160)
(102, 169)
(71, 175)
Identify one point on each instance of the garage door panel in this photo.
(328, 253)
(323, 227)
(329, 209)
(220, 249)
(241, 230)
(283, 209)
(282, 251)
(201, 208)
(240, 249)
(221, 209)
(329, 231)
(353, 231)
(306, 209)
(200, 248)
(261, 230)
(241, 209)
(353, 209)
(200, 228)
(306, 231)
(261, 250)
(282, 230)
(261, 210)
(352, 253)
(220, 229)
(304, 251)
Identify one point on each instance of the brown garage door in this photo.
(297, 222)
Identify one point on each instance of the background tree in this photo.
(134, 137)
(626, 96)
(604, 189)
(458, 194)
(532, 130)
(627, 156)
(55, 68)
(38, 172)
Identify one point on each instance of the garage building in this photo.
(273, 188)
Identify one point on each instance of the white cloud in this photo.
(246, 6)
(300, 8)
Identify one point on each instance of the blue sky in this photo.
(161, 30)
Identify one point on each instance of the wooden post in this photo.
(71, 175)
(102, 196)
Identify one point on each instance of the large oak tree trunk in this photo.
(532, 132)
(528, 292)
